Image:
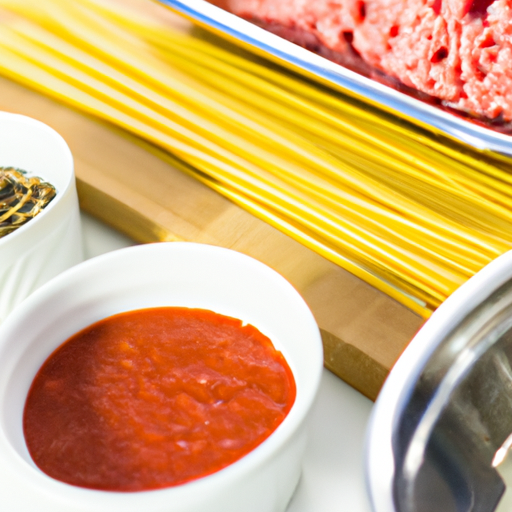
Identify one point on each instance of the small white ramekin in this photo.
(52, 241)
(154, 275)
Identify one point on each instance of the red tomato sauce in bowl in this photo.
(154, 398)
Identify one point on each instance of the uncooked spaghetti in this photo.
(410, 213)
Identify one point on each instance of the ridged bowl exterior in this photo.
(52, 241)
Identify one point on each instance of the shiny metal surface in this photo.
(446, 408)
(314, 66)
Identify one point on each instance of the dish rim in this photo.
(311, 65)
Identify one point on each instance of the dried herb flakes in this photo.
(22, 197)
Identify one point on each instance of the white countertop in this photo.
(333, 471)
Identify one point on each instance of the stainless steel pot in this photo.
(443, 419)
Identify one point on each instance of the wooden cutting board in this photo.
(138, 190)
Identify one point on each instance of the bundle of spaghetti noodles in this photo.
(411, 213)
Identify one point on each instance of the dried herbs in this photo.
(22, 197)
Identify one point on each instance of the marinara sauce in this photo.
(154, 398)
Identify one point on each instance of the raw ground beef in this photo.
(459, 51)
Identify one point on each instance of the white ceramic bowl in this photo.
(162, 274)
(52, 241)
